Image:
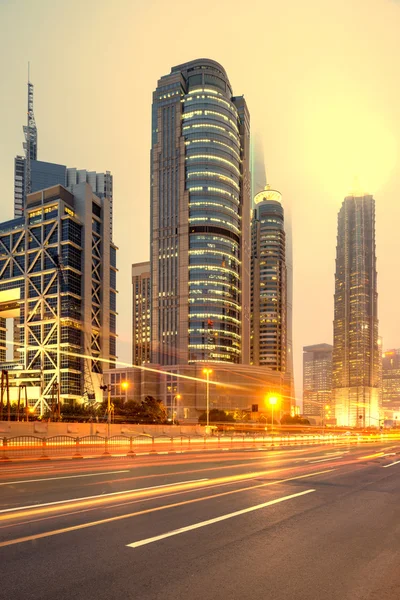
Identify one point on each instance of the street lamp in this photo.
(325, 415)
(177, 397)
(107, 388)
(207, 373)
(272, 400)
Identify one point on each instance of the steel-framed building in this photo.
(58, 283)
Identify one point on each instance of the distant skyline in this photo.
(322, 94)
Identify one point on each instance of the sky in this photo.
(322, 84)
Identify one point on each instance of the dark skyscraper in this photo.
(356, 351)
(391, 380)
(200, 218)
(141, 293)
(317, 380)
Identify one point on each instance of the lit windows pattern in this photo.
(317, 380)
(356, 353)
(212, 143)
(268, 290)
(197, 193)
(141, 317)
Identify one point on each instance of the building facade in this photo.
(58, 283)
(317, 380)
(391, 381)
(268, 282)
(200, 218)
(356, 350)
(183, 389)
(141, 293)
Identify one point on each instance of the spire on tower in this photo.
(30, 132)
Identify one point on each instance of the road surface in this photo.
(306, 523)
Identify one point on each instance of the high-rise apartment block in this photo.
(268, 282)
(141, 288)
(391, 380)
(317, 380)
(58, 282)
(200, 218)
(356, 350)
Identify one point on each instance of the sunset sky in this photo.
(322, 84)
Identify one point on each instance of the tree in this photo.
(154, 410)
(217, 415)
(296, 420)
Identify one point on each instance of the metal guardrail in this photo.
(68, 446)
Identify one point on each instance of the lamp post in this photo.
(325, 415)
(177, 397)
(107, 388)
(207, 373)
(124, 388)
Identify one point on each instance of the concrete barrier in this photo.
(50, 429)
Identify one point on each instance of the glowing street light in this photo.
(272, 401)
(125, 385)
(325, 416)
(177, 397)
(207, 373)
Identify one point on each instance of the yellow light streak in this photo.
(121, 363)
(151, 510)
(377, 455)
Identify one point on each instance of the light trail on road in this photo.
(151, 510)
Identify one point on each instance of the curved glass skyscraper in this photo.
(200, 218)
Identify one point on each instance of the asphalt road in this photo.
(310, 523)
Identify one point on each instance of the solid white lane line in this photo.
(324, 459)
(154, 487)
(391, 464)
(65, 477)
(216, 520)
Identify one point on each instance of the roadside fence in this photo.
(68, 446)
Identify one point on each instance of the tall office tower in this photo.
(355, 362)
(200, 218)
(259, 180)
(391, 380)
(268, 282)
(141, 283)
(58, 281)
(317, 380)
